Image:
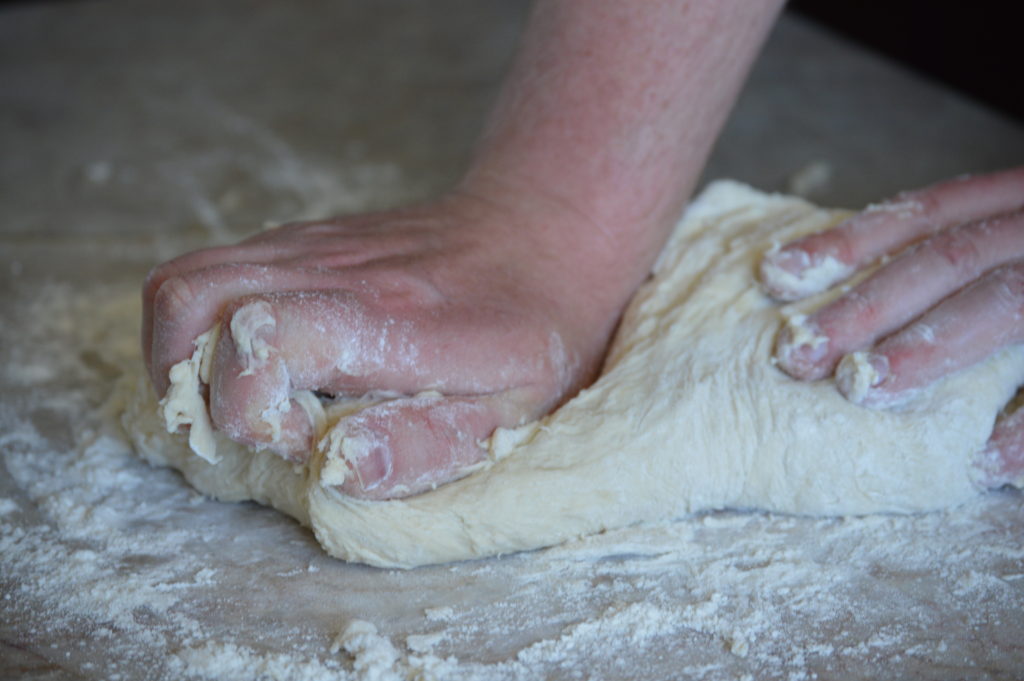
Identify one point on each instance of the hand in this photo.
(501, 297)
(951, 294)
(500, 307)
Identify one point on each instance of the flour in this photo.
(112, 569)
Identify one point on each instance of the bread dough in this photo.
(688, 415)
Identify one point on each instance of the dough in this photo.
(688, 415)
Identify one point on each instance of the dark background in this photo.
(976, 47)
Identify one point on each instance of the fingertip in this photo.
(251, 394)
(295, 435)
(283, 427)
(859, 377)
(791, 273)
(801, 349)
(406, 446)
(779, 272)
(1001, 461)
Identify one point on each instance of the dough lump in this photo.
(688, 415)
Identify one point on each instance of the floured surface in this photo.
(109, 566)
(689, 415)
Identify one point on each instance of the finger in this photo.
(272, 345)
(251, 394)
(1002, 461)
(814, 263)
(184, 307)
(406, 446)
(809, 348)
(401, 339)
(184, 297)
(278, 246)
(962, 330)
(187, 264)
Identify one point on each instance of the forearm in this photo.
(612, 107)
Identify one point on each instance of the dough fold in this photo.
(688, 415)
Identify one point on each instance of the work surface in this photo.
(133, 131)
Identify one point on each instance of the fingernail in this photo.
(354, 459)
(374, 468)
(859, 374)
(800, 348)
(793, 274)
(780, 272)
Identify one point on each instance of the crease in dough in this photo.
(689, 415)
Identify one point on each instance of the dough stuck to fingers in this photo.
(690, 414)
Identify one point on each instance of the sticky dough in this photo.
(688, 415)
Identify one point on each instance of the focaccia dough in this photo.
(689, 414)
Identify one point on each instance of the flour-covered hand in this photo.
(947, 293)
(500, 297)
(458, 297)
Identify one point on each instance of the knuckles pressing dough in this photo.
(688, 415)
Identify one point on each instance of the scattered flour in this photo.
(111, 569)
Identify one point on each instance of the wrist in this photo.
(570, 227)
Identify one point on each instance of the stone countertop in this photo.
(133, 131)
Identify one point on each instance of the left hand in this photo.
(951, 295)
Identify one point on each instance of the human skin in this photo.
(500, 295)
(949, 292)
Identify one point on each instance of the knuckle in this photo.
(406, 290)
(957, 247)
(1009, 286)
(174, 297)
(182, 291)
(155, 279)
(855, 306)
(928, 201)
(923, 203)
(178, 267)
(842, 243)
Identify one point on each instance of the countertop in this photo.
(133, 131)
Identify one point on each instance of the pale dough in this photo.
(689, 414)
